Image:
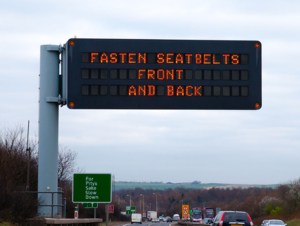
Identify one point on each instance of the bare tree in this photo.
(13, 139)
(66, 164)
(14, 203)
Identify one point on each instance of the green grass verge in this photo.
(295, 222)
(5, 224)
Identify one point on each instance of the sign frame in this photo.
(96, 83)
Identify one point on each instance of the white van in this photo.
(136, 218)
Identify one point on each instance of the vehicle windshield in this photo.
(209, 213)
(235, 216)
(196, 215)
(278, 222)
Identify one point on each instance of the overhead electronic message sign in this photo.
(163, 74)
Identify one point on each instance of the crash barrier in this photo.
(64, 222)
(188, 223)
(58, 212)
(58, 202)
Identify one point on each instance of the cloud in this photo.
(168, 145)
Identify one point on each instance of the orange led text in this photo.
(118, 58)
(197, 58)
(160, 74)
(184, 90)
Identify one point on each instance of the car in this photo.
(263, 223)
(154, 220)
(176, 217)
(229, 218)
(207, 220)
(167, 219)
(275, 222)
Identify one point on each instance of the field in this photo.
(295, 222)
(5, 224)
(120, 185)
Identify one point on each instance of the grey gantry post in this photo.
(49, 101)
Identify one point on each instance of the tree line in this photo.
(280, 202)
(19, 175)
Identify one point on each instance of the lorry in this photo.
(152, 216)
(136, 218)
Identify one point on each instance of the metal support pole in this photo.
(28, 151)
(107, 214)
(48, 128)
(156, 209)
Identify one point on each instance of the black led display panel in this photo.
(163, 74)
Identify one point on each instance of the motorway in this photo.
(153, 224)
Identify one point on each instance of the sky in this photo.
(225, 146)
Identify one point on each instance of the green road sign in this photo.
(130, 210)
(92, 188)
(90, 205)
